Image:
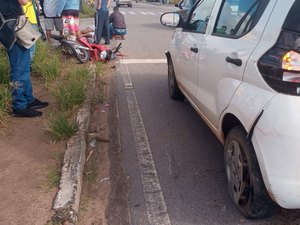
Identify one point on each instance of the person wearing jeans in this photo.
(117, 23)
(102, 21)
(24, 104)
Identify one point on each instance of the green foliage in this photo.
(70, 93)
(53, 177)
(4, 67)
(87, 11)
(46, 62)
(5, 103)
(61, 127)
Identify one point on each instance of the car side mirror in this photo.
(171, 19)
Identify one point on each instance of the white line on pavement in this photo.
(155, 204)
(138, 61)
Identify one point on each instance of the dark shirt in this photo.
(117, 20)
(10, 9)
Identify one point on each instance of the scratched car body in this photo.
(238, 63)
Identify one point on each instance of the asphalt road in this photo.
(173, 163)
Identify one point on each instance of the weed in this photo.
(61, 127)
(46, 62)
(53, 177)
(72, 92)
(5, 103)
(4, 67)
(82, 74)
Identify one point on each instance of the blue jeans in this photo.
(114, 31)
(32, 49)
(19, 59)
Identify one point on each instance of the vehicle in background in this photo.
(123, 2)
(238, 63)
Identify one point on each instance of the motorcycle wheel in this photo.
(80, 53)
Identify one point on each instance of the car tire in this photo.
(244, 180)
(174, 90)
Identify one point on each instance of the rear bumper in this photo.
(276, 140)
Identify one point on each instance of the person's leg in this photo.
(106, 29)
(99, 26)
(19, 59)
(49, 26)
(59, 25)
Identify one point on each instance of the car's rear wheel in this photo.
(245, 183)
(174, 90)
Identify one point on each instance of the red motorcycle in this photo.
(99, 52)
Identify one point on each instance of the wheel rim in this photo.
(237, 173)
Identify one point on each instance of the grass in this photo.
(53, 177)
(61, 127)
(4, 67)
(87, 11)
(46, 62)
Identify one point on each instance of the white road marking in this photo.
(132, 13)
(156, 207)
(144, 13)
(151, 13)
(138, 61)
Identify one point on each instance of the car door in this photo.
(225, 52)
(186, 45)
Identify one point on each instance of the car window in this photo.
(199, 18)
(238, 17)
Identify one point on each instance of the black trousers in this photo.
(102, 26)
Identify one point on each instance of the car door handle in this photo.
(194, 49)
(237, 62)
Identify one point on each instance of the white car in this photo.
(123, 2)
(238, 63)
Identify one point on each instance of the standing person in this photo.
(102, 21)
(51, 18)
(23, 101)
(69, 10)
(30, 12)
(117, 23)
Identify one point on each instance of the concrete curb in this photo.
(66, 203)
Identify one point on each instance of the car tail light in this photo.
(280, 66)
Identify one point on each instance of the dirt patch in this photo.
(26, 157)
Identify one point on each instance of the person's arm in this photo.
(98, 5)
(38, 7)
(22, 2)
(60, 7)
(108, 3)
